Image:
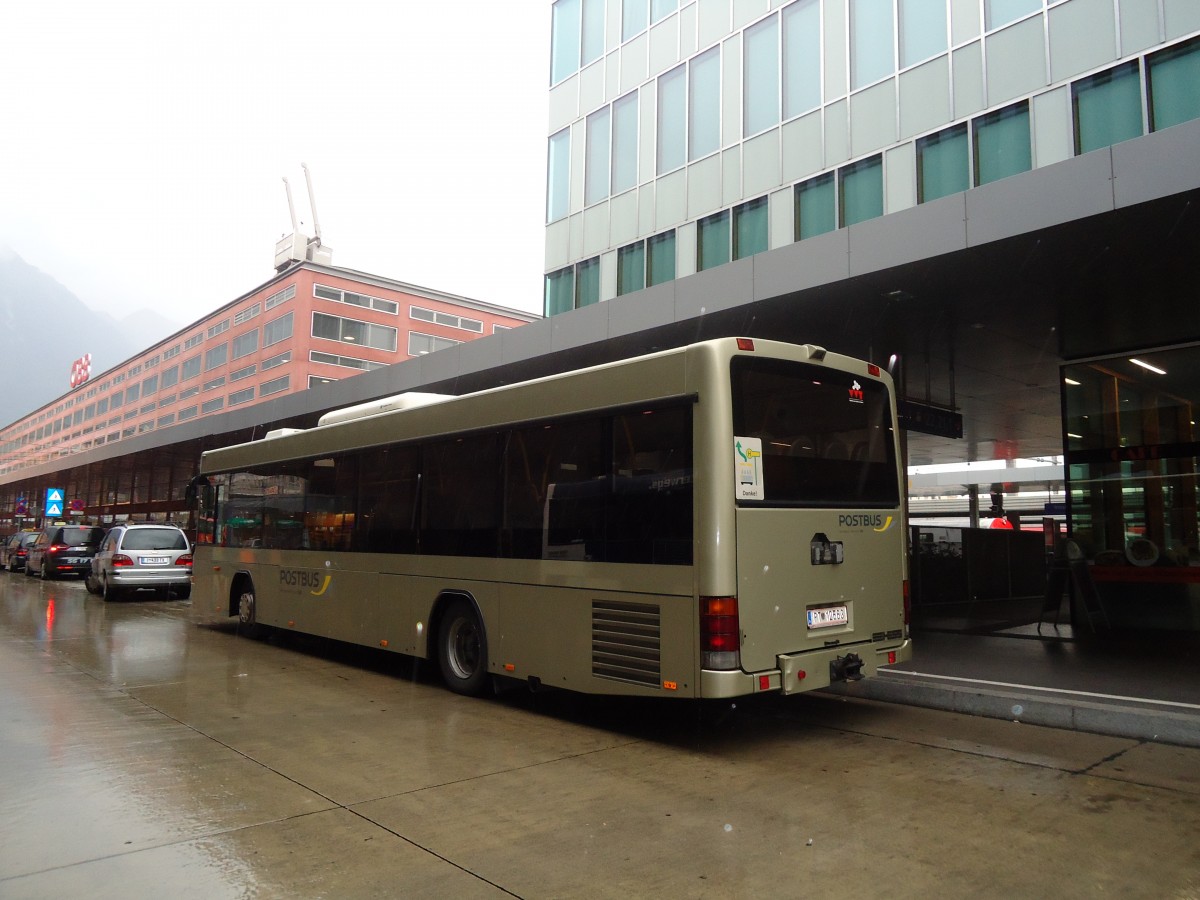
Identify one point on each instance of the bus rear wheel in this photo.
(462, 649)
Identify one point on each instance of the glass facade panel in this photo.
(922, 30)
(631, 268)
(633, 18)
(1108, 108)
(660, 259)
(1133, 457)
(558, 176)
(596, 162)
(712, 241)
(593, 31)
(1002, 145)
(564, 40)
(660, 9)
(1173, 76)
(704, 104)
(1001, 12)
(672, 119)
(861, 192)
(872, 50)
(801, 58)
(760, 88)
(816, 207)
(560, 291)
(750, 228)
(943, 164)
(625, 143)
(587, 282)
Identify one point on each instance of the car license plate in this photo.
(71, 561)
(153, 560)
(827, 616)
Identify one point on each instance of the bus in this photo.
(712, 521)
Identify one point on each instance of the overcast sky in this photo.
(145, 144)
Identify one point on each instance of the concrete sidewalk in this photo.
(1144, 688)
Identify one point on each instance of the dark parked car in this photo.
(63, 550)
(142, 556)
(14, 550)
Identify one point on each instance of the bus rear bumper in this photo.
(808, 671)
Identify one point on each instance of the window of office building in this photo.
(1173, 75)
(217, 382)
(872, 51)
(243, 373)
(712, 241)
(760, 87)
(448, 319)
(170, 377)
(133, 393)
(280, 297)
(660, 9)
(625, 143)
(943, 164)
(631, 268)
(922, 30)
(704, 104)
(279, 360)
(660, 258)
(1107, 108)
(816, 207)
(560, 291)
(750, 228)
(351, 298)
(149, 385)
(1000, 12)
(354, 331)
(576, 36)
(564, 39)
(558, 176)
(633, 17)
(801, 58)
(217, 356)
(860, 193)
(243, 396)
(587, 282)
(596, 159)
(281, 330)
(274, 387)
(422, 344)
(245, 344)
(350, 362)
(190, 368)
(188, 413)
(1002, 146)
(672, 119)
(213, 405)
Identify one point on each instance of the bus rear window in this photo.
(827, 436)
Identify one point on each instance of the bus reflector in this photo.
(907, 602)
(873, 369)
(764, 682)
(720, 634)
(383, 644)
(510, 667)
(745, 344)
(891, 657)
(671, 685)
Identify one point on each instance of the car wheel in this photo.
(110, 591)
(90, 582)
(462, 649)
(183, 593)
(46, 574)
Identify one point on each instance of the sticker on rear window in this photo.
(747, 462)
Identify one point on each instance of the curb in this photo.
(1144, 720)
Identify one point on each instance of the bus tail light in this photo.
(720, 633)
(907, 603)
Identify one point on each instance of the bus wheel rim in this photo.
(463, 649)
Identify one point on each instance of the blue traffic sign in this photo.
(54, 502)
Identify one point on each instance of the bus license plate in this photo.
(827, 616)
(153, 560)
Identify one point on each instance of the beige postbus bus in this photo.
(712, 521)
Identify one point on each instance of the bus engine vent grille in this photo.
(626, 642)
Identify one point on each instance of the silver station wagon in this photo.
(135, 557)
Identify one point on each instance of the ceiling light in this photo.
(1071, 381)
(1149, 368)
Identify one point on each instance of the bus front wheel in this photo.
(248, 611)
(462, 649)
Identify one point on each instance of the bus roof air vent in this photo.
(407, 400)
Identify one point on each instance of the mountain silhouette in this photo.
(44, 328)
